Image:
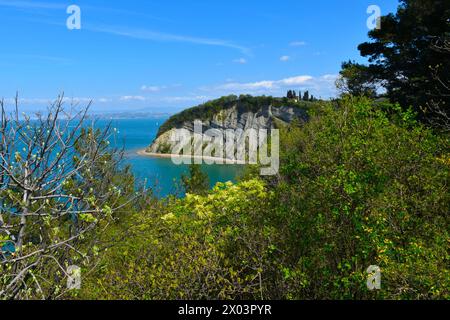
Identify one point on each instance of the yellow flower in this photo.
(169, 216)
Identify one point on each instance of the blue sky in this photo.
(166, 55)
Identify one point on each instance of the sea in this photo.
(159, 174)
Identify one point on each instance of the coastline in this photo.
(217, 160)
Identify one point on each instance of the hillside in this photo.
(232, 112)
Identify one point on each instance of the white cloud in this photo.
(266, 84)
(151, 35)
(240, 61)
(295, 81)
(297, 43)
(285, 58)
(28, 101)
(322, 86)
(153, 88)
(132, 98)
(48, 101)
(76, 99)
(167, 99)
(185, 98)
(103, 100)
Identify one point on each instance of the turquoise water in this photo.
(161, 174)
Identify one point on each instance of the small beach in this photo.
(216, 160)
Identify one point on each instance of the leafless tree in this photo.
(57, 187)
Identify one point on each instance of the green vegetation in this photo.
(200, 247)
(358, 186)
(409, 58)
(197, 182)
(364, 182)
(244, 103)
(356, 80)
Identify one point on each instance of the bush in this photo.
(217, 246)
(362, 187)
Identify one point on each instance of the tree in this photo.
(197, 182)
(306, 96)
(402, 53)
(292, 95)
(356, 79)
(53, 197)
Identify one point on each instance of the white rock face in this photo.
(234, 118)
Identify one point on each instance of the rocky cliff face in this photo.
(266, 117)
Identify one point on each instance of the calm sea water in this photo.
(161, 174)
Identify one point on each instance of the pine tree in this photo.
(289, 94)
(306, 96)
